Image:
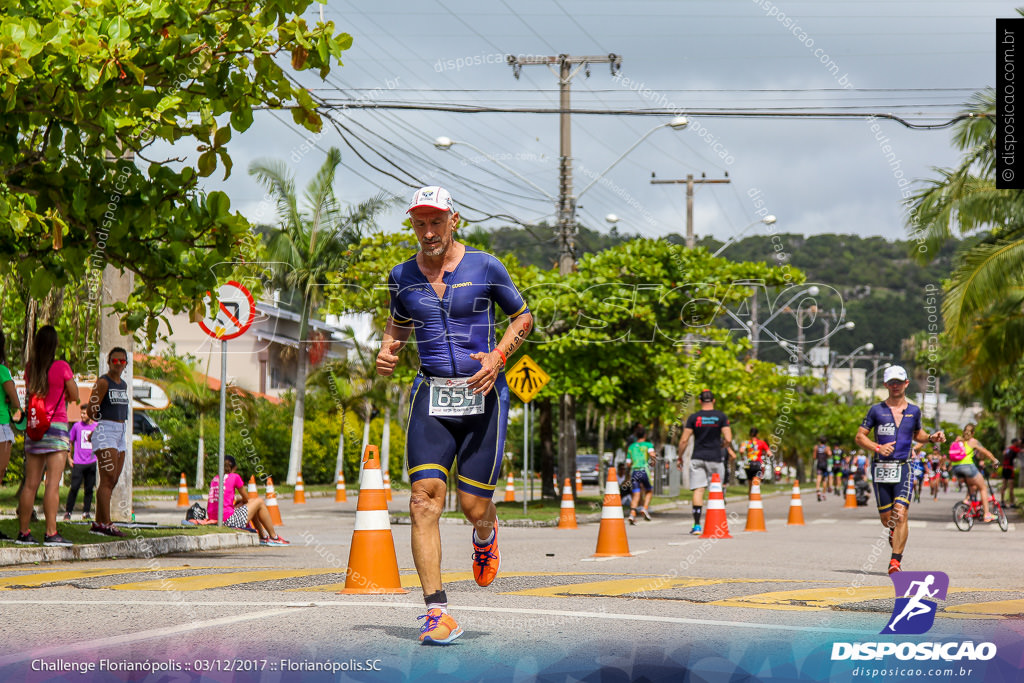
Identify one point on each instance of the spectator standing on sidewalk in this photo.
(108, 405)
(51, 383)
(83, 466)
(10, 412)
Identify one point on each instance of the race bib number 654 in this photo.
(451, 396)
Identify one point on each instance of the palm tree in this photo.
(190, 387)
(355, 385)
(982, 304)
(309, 242)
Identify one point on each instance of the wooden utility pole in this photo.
(568, 67)
(690, 181)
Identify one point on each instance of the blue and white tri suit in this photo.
(447, 331)
(881, 419)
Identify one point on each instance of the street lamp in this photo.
(850, 358)
(445, 143)
(874, 376)
(767, 220)
(677, 123)
(756, 328)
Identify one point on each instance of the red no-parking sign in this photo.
(233, 315)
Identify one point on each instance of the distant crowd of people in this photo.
(94, 447)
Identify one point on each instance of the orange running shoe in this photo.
(486, 559)
(439, 629)
(894, 566)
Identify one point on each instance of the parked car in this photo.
(143, 425)
(589, 465)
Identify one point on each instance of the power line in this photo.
(477, 109)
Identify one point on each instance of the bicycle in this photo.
(964, 514)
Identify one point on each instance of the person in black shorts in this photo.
(707, 426)
(822, 463)
(1010, 456)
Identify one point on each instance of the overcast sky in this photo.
(816, 176)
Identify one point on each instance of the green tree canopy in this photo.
(87, 87)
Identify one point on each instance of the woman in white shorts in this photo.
(108, 406)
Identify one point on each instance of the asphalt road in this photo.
(766, 605)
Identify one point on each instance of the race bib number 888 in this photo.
(451, 396)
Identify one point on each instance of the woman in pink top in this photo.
(53, 380)
(239, 511)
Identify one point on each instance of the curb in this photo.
(130, 548)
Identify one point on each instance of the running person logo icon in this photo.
(913, 614)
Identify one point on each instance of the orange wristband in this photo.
(504, 361)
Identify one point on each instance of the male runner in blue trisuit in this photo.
(447, 295)
(897, 426)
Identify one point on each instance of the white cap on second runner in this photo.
(894, 372)
(433, 197)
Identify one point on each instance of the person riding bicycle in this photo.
(961, 455)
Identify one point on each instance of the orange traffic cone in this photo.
(579, 482)
(716, 524)
(567, 518)
(611, 538)
(510, 489)
(851, 494)
(182, 492)
(372, 562)
(755, 510)
(300, 490)
(272, 506)
(340, 495)
(387, 486)
(796, 508)
(251, 490)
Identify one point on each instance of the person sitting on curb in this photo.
(240, 512)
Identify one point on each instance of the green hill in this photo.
(881, 288)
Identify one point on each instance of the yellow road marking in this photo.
(203, 582)
(995, 608)
(70, 575)
(626, 586)
(808, 598)
(413, 581)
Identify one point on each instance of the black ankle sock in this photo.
(697, 509)
(438, 598)
(898, 557)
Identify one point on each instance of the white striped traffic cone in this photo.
(272, 507)
(372, 562)
(611, 538)
(510, 489)
(182, 492)
(567, 515)
(796, 508)
(340, 495)
(717, 523)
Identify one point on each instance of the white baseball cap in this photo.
(894, 372)
(434, 197)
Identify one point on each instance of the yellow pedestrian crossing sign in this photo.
(526, 379)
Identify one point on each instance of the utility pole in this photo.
(690, 181)
(568, 67)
